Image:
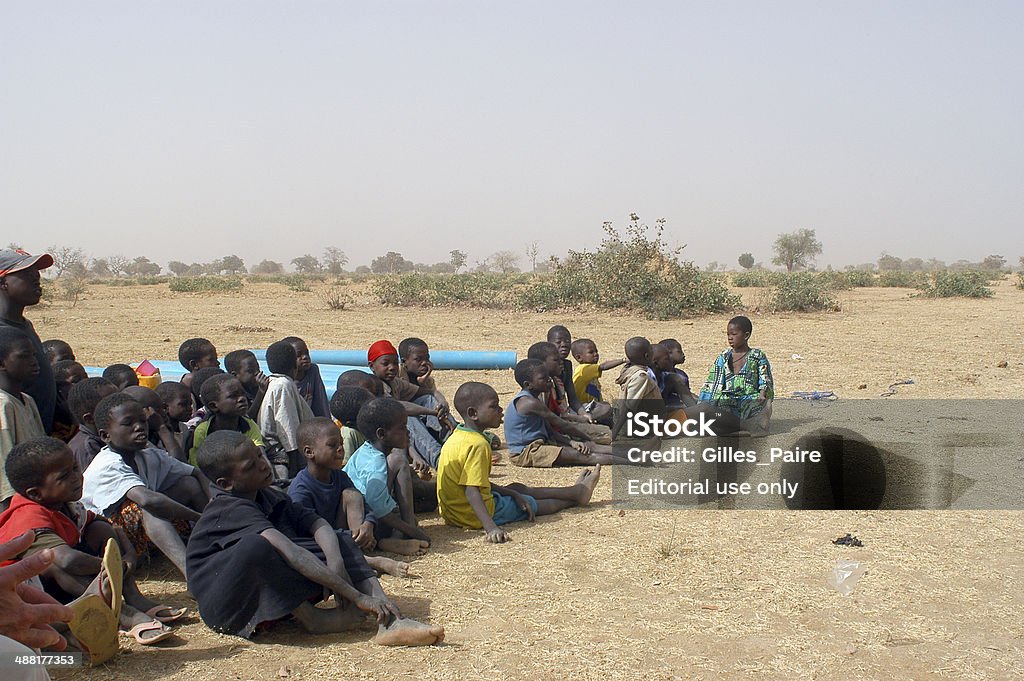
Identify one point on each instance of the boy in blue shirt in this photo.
(384, 476)
(325, 489)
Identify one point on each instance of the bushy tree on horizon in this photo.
(746, 261)
(796, 250)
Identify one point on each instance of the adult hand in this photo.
(26, 612)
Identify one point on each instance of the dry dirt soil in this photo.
(601, 593)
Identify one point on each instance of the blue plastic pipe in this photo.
(442, 359)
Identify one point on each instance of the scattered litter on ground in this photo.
(844, 576)
(894, 386)
(848, 540)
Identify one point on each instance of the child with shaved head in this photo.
(465, 494)
(255, 556)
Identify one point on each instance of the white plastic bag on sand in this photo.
(844, 576)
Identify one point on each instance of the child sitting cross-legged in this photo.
(226, 407)
(465, 494)
(325, 489)
(49, 485)
(256, 556)
(380, 470)
(537, 436)
(557, 397)
(142, 489)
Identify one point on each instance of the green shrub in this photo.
(202, 284)
(751, 278)
(956, 285)
(836, 281)
(475, 289)
(635, 273)
(902, 279)
(801, 292)
(334, 297)
(860, 278)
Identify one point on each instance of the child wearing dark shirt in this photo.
(256, 556)
(82, 400)
(66, 373)
(326, 489)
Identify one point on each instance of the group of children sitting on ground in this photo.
(267, 496)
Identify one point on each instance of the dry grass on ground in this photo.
(599, 594)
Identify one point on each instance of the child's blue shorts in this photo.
(506, 510)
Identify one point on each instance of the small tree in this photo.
(100, 267)
(306, 264)
(889, 263)
(268, 267)
(117, 264)
(458, 260)
(532, 251)
(177, 267)
(505, 262)
(991, 262)
(65, 258)
(142, 267)
(334, 260)
(796, 250)
(746, 261)
(391, 263)
(231, 264)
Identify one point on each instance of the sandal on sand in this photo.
(175, 613)
(138, 630)
(94, 624)
(114, 568)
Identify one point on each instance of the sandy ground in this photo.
(607, 593)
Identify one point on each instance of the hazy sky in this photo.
(191, 130)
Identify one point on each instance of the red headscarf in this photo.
(379, 349)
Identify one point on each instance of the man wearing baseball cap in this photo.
(19, 288)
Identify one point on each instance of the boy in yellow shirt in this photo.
(586, 378)
(465, 494)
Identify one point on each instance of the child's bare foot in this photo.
(404, 547)
(407, 632)
(587, 482)
(395, 568)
